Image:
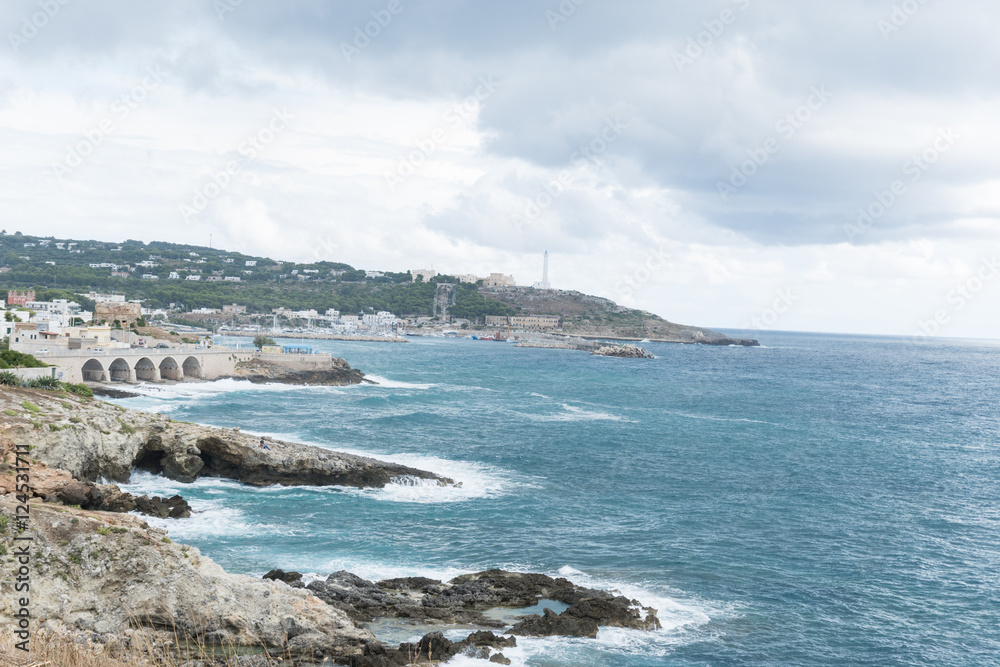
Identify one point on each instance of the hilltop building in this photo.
(424, 274)
(15, 298)
(499, 280)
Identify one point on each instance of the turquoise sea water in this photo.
(822, 500)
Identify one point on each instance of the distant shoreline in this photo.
(317, 336)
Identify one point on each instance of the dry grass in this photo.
(51, 650)
(55, 650)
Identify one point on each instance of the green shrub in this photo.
(78, 389)
(75, 420)
(125, 428)
(8, 378)
(30, 407)
(15, 359)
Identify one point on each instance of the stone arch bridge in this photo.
(147, 365)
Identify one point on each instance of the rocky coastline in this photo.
(104, 575)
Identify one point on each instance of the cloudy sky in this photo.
(728, 163)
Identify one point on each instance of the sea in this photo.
(819, 500)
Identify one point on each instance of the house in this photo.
(251, 262)
(150, 276)
(193, 277)
(232, 279)
(174, 276)
(234, 309)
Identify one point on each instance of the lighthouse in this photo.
(545, 273)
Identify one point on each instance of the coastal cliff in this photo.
(102, 575)
(92, 440)
(109, 577)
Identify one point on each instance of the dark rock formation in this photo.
(293, 579)
(464, 599)
(185, 452)
(434, 648)
(109, 498)
(259, 371)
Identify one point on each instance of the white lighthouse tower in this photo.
(545, 273)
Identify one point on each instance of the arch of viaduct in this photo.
(149, 366)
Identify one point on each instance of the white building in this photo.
(426, 274)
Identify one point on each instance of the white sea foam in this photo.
(397, 384)
(710, 418)
(572, 413)
(477, 481)
(374, 571)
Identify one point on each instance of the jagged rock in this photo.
(81, 494)
(182, 467)
(290, 578)
(551, 623)
(487, 638)
(174, 507)
(500, 658)
(359, 598)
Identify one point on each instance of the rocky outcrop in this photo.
(93, 440)
(109, 576)
(463, 599)
(185, 452)
(260, 371)
(433, 648)
(624, 351)
(58, 486)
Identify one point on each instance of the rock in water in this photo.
(626, 351)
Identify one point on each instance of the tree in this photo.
(261, 340)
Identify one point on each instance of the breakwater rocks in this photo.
(93, 440)
(624, 351)
(463, 601)
(110, 578)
